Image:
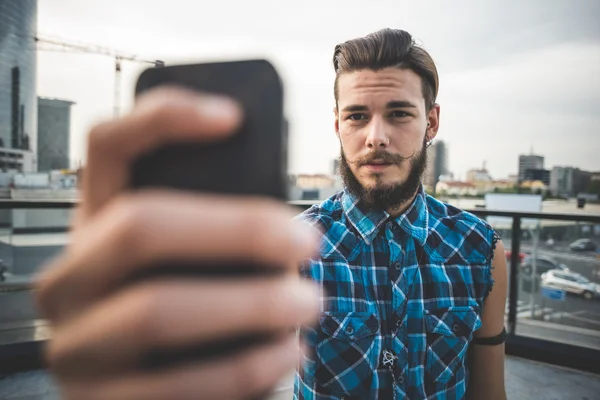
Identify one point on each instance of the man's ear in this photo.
(337, 121)
(433, 122)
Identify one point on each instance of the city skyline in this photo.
(512, 75)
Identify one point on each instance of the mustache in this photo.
(381, 156)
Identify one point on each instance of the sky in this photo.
(514, 75)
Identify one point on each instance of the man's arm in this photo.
(487, 361)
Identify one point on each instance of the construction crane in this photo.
(47, 43)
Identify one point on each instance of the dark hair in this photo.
(383, 49)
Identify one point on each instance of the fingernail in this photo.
(220, 107)
(307, 239)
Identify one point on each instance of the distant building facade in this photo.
(314, 181)
(456, 188)
(561, 181)
(437, 164)
(569, 181)
(54, 130)
(18, 108)
(13, 160)
(480, 179)
(529, 162)
(542, 175)
(478, 175)
(581, 181)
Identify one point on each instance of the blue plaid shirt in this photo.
(401, 300)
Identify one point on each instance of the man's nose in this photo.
(376, 135)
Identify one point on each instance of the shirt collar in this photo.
(414, 221)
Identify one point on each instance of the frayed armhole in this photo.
(495, 238)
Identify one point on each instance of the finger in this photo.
(115, 334)
(162, 115)
(144, 230)
(243, 376)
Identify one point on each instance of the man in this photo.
(406, 280)
(102, 329)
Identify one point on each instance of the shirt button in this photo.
(397, 265)
(349, 330)
(401, 379)
(455, 328)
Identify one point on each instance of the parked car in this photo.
(543, 264)
(571, 282)
(583, 245)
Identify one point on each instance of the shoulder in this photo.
(448, 214)
(457, 226)
(339, 240)
(325, 213)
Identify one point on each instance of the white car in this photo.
(571, 282)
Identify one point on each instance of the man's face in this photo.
(382, 123)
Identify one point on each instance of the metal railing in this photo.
(27, 354)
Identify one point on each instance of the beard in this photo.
(382, 196)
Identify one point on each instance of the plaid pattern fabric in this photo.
(401, 298)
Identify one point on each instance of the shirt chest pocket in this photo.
(449, 332)
(347, 352)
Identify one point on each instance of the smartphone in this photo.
(252, 162)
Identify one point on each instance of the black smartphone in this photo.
(250, 162)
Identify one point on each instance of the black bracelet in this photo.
(491, 341)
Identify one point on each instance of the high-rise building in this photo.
(529, 162)
(437, 164)
(54, 128)
(569, 181)
(18, 109)
(561, 181)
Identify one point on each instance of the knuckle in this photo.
(129, 218)
(99, 134)
(275, 302)
(263, 226)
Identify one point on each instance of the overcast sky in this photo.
(513, 74)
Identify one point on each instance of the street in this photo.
(574, 312)
(584, 263)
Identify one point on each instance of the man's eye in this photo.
(399, 114)
(357, 117)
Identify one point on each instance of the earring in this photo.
(428, 141)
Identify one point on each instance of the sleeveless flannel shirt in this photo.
(401, 299)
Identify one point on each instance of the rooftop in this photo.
(525, 380)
